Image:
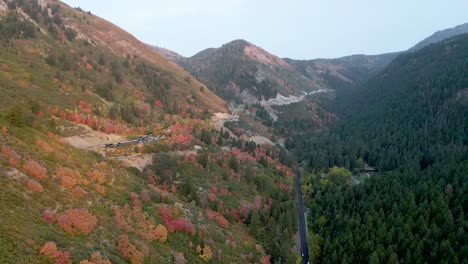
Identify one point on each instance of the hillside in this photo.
(166, 188)
(410, 122)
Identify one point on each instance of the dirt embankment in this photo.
(89, 139)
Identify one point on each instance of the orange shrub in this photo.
(129, 251)
(35, 186)
(76, 221)
(35, 170)
(96, 176)
(13, 158)
(205, 253)
(100, 189)
(265, 260)
(78, 192)
(70, 177)
(44, 145)
(63, 171)
(96, 258)
(136, 221)
(69, 182)
(160, 233)
(50, 250)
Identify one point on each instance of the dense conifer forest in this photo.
(411, 123)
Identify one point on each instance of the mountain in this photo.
(441, 35)
(409, 122)
(242, 72)
(342, 73)
(109, 153)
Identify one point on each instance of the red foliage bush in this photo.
(145, 196)
(35, 170)
(174, 225)
(212, 197)
(35, 186)
(135, 201)
(158, 104)
(76, 221)
(222, 222)
(49, 216)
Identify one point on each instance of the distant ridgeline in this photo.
(411, 122)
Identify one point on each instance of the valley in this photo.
(117, 151)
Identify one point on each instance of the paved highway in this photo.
(145, 139)
(302, 219)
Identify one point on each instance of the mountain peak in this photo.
(238, 42)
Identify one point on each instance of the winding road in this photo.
(302, 219)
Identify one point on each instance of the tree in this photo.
(338, 176)
(70, 33)
(16, 115)
(234, 163)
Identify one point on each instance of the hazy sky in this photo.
(299, 29)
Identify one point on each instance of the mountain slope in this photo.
(441, 35)
(70, 83)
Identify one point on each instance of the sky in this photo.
(298, 29)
